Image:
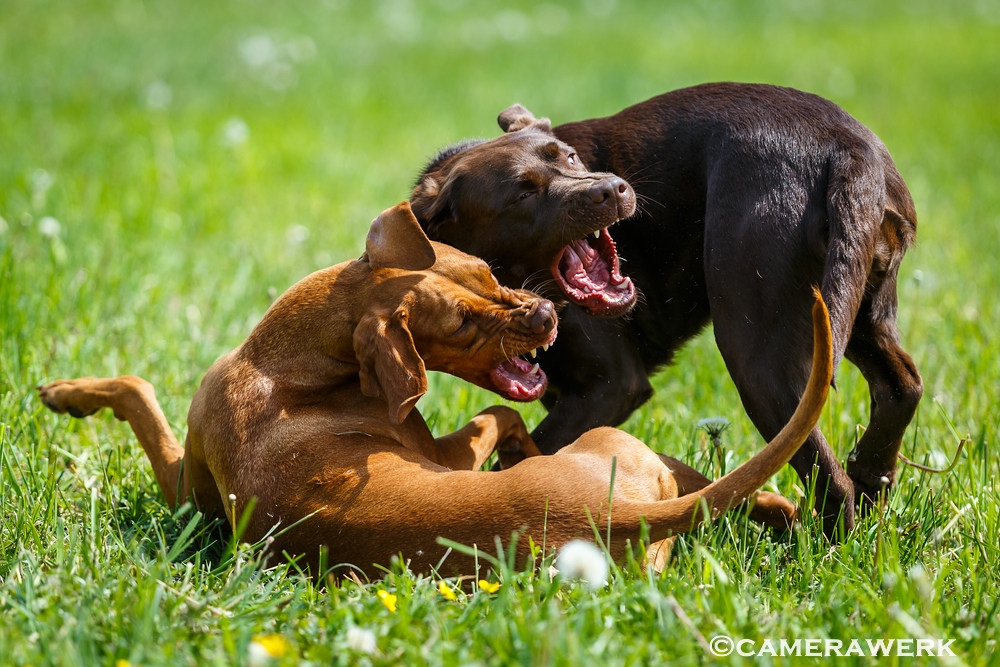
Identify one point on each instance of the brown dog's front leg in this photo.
(498, 428)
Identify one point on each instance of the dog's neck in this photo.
(316, 318)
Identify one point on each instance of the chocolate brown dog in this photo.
(748, 194)
(313, 416)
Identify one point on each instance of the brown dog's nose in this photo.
(612, 189)
(541, 316)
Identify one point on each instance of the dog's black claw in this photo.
(75, 412)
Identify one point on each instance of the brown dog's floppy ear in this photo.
(390, 366)
(396, 241)
(433, 201)
(517, 118)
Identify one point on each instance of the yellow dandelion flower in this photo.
(487, 587)
(122, 662)
(446, 591)
(274, 644)
(388, 599)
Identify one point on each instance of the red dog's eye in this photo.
(525, 195)
(571, 159)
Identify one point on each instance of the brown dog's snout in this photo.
(610, 190)
(541, 316)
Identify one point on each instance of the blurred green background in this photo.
(166, 168)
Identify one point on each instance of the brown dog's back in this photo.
(747, 194)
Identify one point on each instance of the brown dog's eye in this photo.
(525, 195)
(571, 158)
(466, 324)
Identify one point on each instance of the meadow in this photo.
(166, 169)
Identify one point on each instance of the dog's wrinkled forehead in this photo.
(465, 271)
(512, 152)
(446, 154)
(473, 279)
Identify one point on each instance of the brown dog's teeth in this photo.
(597, 234)
(545, 347)
(533, 352)
(534, 370)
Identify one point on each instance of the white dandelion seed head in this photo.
(257, 655)
(512, 25)
(258, 50)
(297, 235)
(159, 95)
(41, 180)
(235, 132)
(582, 560)
(361, 640)
(49, 226)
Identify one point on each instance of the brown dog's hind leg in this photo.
(767, 363)
(133, 400)
(766, 508)
(895, 388)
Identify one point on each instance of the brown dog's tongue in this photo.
(588, 272)
(584, 267)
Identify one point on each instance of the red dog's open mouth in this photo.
(587, 271)
(519, 379)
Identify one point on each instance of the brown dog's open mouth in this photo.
(519, 379)
(587, 270)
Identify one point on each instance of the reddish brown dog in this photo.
(313, 417)
(744, 196)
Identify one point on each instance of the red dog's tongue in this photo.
(518, 380)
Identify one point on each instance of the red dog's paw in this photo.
(68, 396)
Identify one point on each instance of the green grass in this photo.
(121, 121)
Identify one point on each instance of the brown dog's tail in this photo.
(679, 515)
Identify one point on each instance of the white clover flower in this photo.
(582, 560)
(361, 640)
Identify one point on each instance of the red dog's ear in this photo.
(390, 365)
(517, 118)
(396, 241)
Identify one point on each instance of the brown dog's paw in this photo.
(68, 396)
(773, 510)
(510, 452)
(872, 490)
